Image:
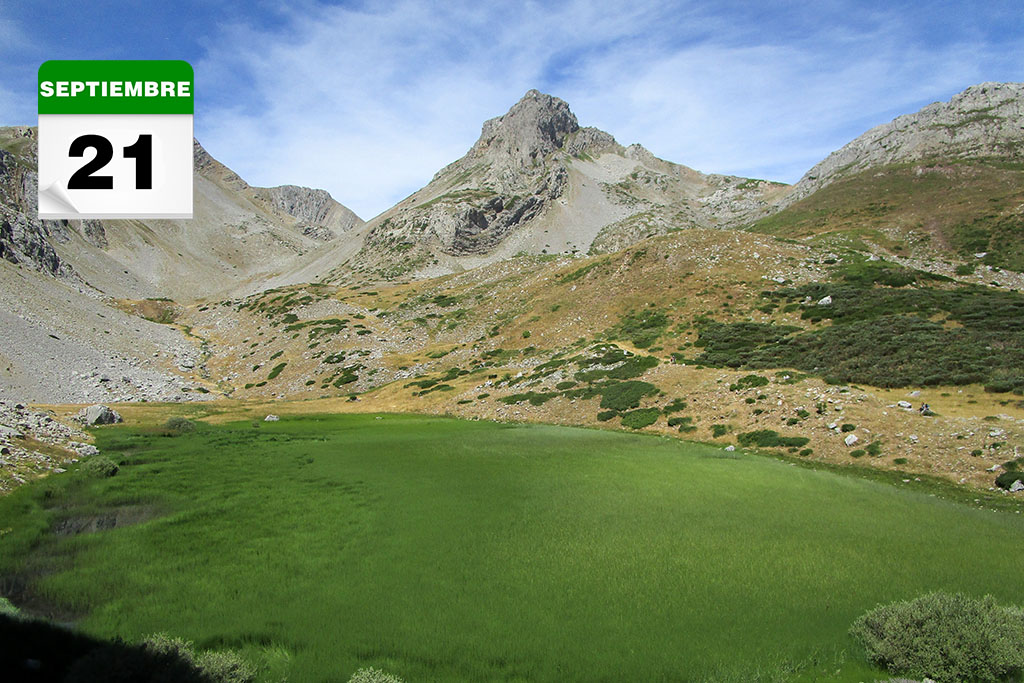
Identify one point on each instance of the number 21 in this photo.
(83, 178)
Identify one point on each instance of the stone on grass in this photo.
(850, 439)
(98, 415)
(271, 418)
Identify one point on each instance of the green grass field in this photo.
(443, 550)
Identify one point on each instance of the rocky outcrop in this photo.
(98, 415)
(984, 120)
(535, 181)
(319, 216)
(534, 127)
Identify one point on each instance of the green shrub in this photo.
(1006, 479)
(159, 658)
(1014, 465)
(768, 438)
(945, 637)
(535, 398)
(625, 395)
(899, 461)
(606, 415)
(225, 666)
(847, 427)
(177, 425)
(805, 452)
(7, 609)
(372, 675)
(857, 453)
(277, 370)
(637, 419)
(748, 382)
(965, 269)
(99, 466)
(874, 449)
(641, 327)
(719, 430)
(675, 406)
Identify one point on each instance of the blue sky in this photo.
(369, 99)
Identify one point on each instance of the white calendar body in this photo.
(115, 139)
(168, 161)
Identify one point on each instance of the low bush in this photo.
(749, 382)
(99, 466)
(176, 426)
(1006, 479)
(372, 675)
(847, 427)
(160, 658)
(675, 406)
(625, 395)
(945, 637)
(641, 327)
(606, 415)
(638, 419)
(768, 438)
(719, 430)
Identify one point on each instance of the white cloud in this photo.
(370, 103)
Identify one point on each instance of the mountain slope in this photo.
(537, 182)
(239, 235)
(946, 182)
(983, 121)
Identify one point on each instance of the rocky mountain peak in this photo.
(985, 120)
(535, 126)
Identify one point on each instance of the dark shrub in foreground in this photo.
(372, 675)
(638, 419)
(1006, 479)
(945, 637)
(769, 438)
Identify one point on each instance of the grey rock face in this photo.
(94, 234)
(98, 415)
(535, 126)
(983, 120)
(24, 239)
(319, 215)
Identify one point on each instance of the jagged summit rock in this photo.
(985, 120)
(537, 182)
(535, 126)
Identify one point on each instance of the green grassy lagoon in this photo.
(442, 549)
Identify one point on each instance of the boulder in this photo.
(1017, 486)
(906, 405)
(850, 439)
(271, 418)
(827, 301)
(98, 415)
(730, 448)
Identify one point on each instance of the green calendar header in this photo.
(116, 87)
